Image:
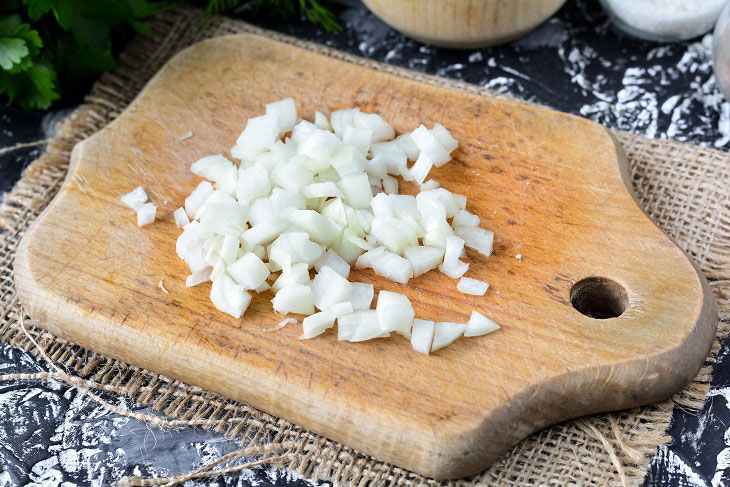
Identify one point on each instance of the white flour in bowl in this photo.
(667, 18)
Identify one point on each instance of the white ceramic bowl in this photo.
(721, 51)
(645, 20)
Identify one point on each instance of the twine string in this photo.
(22, 145)
(586, 426)
(206, 471)
(84, 386)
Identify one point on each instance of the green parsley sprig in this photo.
(285, 9)
(50, 46)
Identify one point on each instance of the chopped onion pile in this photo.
(324, 196)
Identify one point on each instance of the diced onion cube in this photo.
(322, 190)
(198, 277)
(292, 176)
(430, 147)
(285, 113)
(410, 148)
(356, 189)
(342, 119)
(383, 205)
(464, 218)
(444, 137)
(146, 214)
(359, 138)
(444, 334)
(424, 258)
(181, 218)
(381, 130)
(362, 295)
(281, 198)
(302, 130)
(229, 297)
(194, 254)
(263, 287)
(253, 182)
(260, 133)
(395, 313)
(430, 184)
(258, 250)
(348, 160)
(437, 200)
(197, 198)
(229, 249)
(422, 336)
(316, 324)
(213, 245)
(390, 184)
(437, 231)
(393, 234)
(455, 270)
(320, 229)
(420, 169)
(347, 324)
(321, 122)
(452, 266)
(393, 267)
(320, 146)
(479, 325)
(390, 156)
(345, 248)
(476, 238)
(135, 198)
(293, 248)
(249, 270)
(332, 260)
(343, 308)
(367, 326)
(218, 169)
(359, 242)
(218, 270)
(471, 286)
(294, 298)
(262, 233)
(294, 274)
(226, 218)
(330, 288)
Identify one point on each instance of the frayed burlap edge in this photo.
(682, 187)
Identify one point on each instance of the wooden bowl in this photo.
(463, 23)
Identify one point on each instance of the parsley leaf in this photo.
(312, 10)
(8, 24)
(25, 79)
(32, 89)
(17, 42)
(37, 8)
(50, 45)
(12, 52)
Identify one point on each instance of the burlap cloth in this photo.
(685, 189)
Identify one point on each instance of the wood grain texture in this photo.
(553, 187)
(464, 23)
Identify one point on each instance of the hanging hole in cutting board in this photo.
(599, 297)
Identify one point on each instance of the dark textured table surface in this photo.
(575, 62)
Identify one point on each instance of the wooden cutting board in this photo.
(553, 188)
